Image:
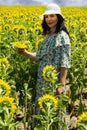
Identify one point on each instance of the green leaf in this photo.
(1, 122)
(64, 97)
(37, 116)
(40, 127)
(55, 119)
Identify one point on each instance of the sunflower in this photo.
(10, 20)
(82, 31)
(38, 42)
(9, 103)
(82, 118)
(83, 23)
(73, 25)
(84, 44)
(7, 27)
(38, 30)
(4, 88)
(20, 45)
(4, 63)
(73, 38)
(26, 42)
(22, 30)
(48, 101)
(49, 73)
(15, 28)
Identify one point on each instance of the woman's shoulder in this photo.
(63, 37)
(62, 34)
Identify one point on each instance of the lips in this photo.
(50, 23)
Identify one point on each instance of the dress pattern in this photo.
(54, 50)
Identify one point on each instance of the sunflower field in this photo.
(20, 27)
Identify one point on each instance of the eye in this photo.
(46, 16)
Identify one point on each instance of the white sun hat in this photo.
(52, 9)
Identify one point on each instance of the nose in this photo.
(48, 18)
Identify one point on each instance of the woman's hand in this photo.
(30, 55)
(21, 50)
(59, 90)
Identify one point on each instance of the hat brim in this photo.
(50, 12)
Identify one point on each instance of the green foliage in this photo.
(19, 23)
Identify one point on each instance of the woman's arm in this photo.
(63, 74)
(65, 53)
(30, 55)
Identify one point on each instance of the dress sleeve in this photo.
(63, 42)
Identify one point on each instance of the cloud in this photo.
(9, 2)
(44, 2)
(61, 2)
(74, 2)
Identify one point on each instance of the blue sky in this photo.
(61, 2)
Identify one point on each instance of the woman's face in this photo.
(51, 20)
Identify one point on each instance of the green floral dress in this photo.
(54, 50)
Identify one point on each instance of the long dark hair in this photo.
(60, 26)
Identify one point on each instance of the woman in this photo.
(54, 50)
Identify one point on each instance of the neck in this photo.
(52, 30)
